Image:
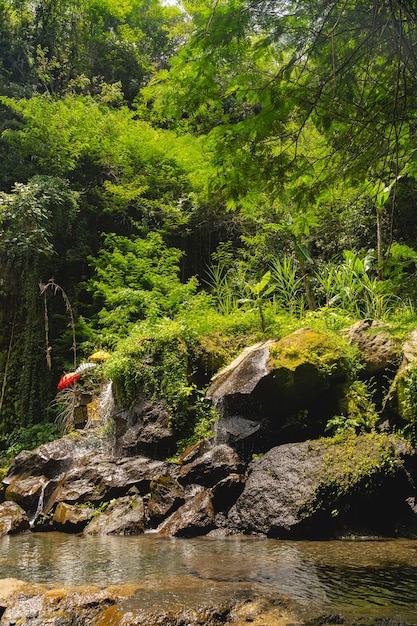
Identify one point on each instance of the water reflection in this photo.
(372, 578)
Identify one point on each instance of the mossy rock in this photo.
(293, 384)
(323, 487)
(305, 365)
(402, 396)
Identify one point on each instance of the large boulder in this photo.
(291, 386)
(35, 494)
(54, 458)
(144, 430)
(409, 349)
(325, 487)
(70, 518)
(166, 496)
(123, 516)
(215, 464)
(400, 403)
(97, 478)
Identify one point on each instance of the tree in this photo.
(30, 219)
(59, 46)
(260, 77)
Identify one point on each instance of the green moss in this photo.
(328, 352)
(353, 461)
(358, 410)
(406, 387)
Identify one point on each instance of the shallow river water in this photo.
(373, 578)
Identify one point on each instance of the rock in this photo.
(409, 349)
(291, 387)
(35, 494)
(195, 517)
(98, 478)
(123, 516)
(378, 349)
(52, 459)
(239, 433)
(212, 466)
(314, 489)
(70, 518)
(226, 491)
(241, 377)
(49, 605)
(166, 496)
(30, 604)
(145, 430)
(13, 519)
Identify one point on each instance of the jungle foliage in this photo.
(220, 170)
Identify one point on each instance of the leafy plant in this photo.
(259, 293)
(360, 415)
(351, 287)
(28, 438)
(137, 279)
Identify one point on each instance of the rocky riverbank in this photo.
(40, 605)
(267, 469)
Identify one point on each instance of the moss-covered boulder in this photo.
(329, 487)
(292, 385)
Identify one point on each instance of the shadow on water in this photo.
(355, 578)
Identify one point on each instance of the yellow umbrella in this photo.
(101, 355)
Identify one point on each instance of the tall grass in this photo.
(289, 293)
(350, 286)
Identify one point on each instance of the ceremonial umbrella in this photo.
(67, 380)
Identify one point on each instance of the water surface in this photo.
(374, 578)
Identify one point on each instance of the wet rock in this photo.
(214, 465)
(166, 496)
(40, 605)
(52, 459)
(98, 478)
(35, 494)
(70, 518)
(291, 387)
(226, 492)
(123, 516)
(144, 430)
(195, 517)
(13, 519)
(182, 616)
(378, 349)
(241, 377)
(239, 433)
(312, 489)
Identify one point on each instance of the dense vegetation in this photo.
(203, 176)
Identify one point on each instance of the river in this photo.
(374, 578)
